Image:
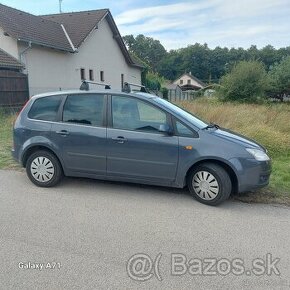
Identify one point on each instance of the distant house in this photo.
(188, 82)
(57, 51)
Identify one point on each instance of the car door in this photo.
(136, 147)
(81, 134)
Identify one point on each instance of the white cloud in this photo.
(249, 8)
(216, 22)
(136, 15)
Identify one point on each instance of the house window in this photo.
(181, 82)
(91, 72)
(122, 81)
(83, 74)
(102, 77)
(188, 82)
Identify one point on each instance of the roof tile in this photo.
(78, 24)
(28, 27)
(8, 61)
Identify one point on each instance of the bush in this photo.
(153, 81)
(279, 76)
(164, 92)
(247, 82)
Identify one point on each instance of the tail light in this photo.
(18, 113)
(25, 104)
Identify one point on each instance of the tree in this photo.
(279, 76)
(171, 66)
(147, 49)
(195, 59)
(247, 82)
(269, 56)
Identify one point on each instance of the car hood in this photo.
(237, 138)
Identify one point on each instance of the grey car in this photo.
(134, 137)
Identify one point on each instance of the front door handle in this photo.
(62, 132)
(119, 139)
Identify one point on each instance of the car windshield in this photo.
(184, 114)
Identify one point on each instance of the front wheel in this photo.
(210, 183)
(43, 169)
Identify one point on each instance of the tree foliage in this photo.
(246, 82)
(280, 76)
(150, 50)
(207, 64)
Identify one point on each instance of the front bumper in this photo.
(252, 174)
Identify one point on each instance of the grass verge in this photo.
(269, 125)
(6, 160)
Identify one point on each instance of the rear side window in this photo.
(45, 108)
(84, 109)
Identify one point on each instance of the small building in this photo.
(174, 92)
(57, 51)
(188, 82)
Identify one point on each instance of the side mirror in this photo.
(165, 128)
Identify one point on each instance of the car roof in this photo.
(105, 92)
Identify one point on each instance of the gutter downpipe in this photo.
(24, 51)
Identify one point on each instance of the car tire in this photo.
(44, 169)
(209, 183)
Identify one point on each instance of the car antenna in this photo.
(86, 87)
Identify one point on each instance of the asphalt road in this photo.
(88, 230)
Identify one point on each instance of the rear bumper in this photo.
(252, 174)
(15, 155)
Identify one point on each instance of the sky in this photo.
(230, 23)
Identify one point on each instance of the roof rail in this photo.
(86, 87)
(127, 88)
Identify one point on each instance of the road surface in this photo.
(88, 234)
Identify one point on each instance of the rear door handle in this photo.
(62, 132)
(119, 139)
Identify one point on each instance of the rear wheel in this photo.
(44, 169)
(210, 183)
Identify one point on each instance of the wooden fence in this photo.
(14, 90)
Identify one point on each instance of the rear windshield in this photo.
(45, 108)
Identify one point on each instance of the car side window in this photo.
(183, 130)
(45, 108)
(136, 115)
(84, 109)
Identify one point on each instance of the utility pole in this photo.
(60, 10)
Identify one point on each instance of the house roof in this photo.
(78, 24)
(65, 31)
(8, 61)
(172, 86)
(192, 77)
(27, 27)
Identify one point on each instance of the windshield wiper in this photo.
(210, 126)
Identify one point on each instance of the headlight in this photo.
(258, 154)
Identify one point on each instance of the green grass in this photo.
(6, 160)
(268, 124)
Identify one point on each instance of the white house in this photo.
(58, 51)
(188, 82)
